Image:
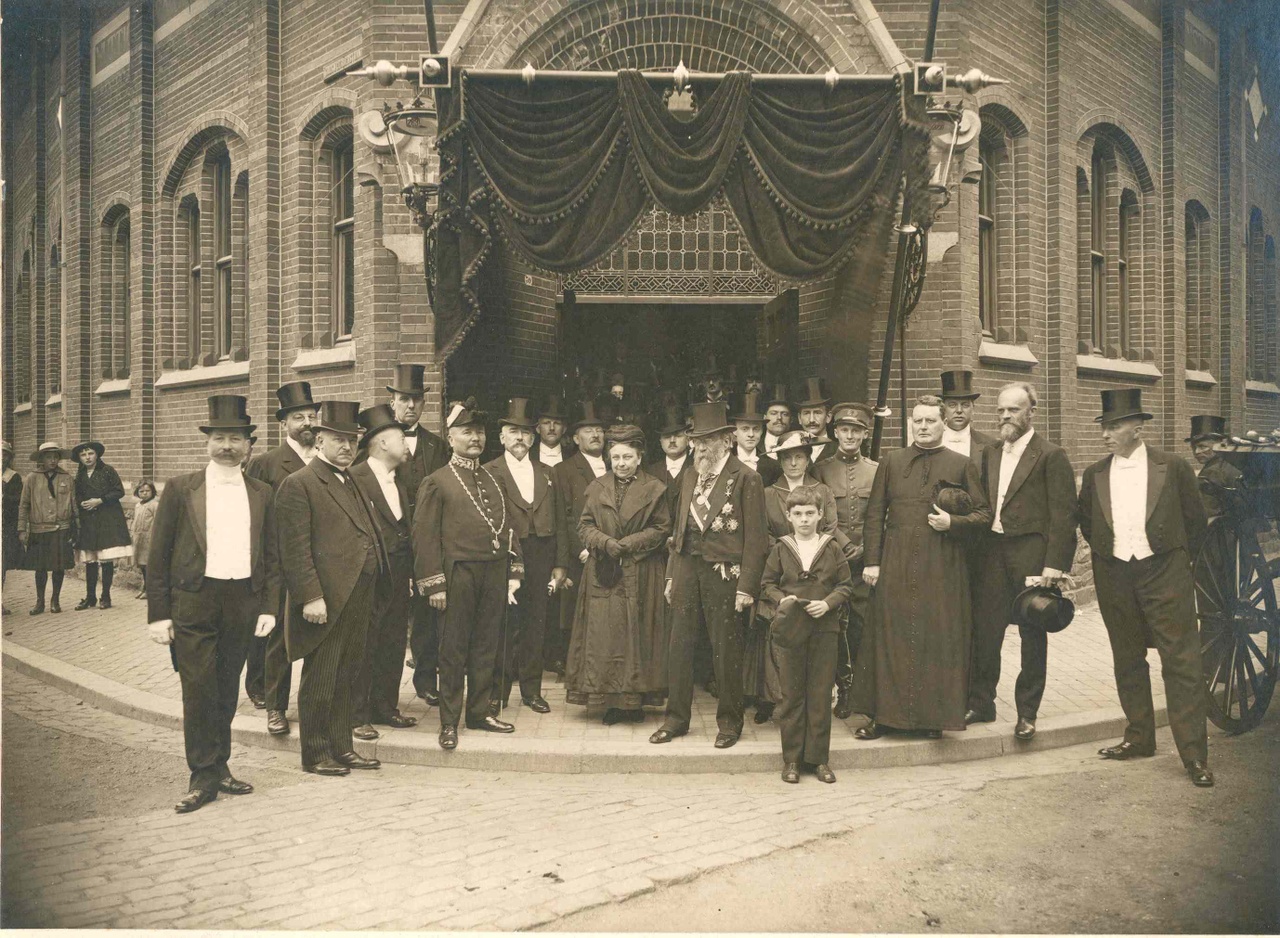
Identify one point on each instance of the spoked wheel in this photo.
(1239, 624)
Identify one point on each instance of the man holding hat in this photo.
(331, 555)
(718, 547)
(535, 514)
(467, 562)
(376, 698)
(958, 396)
(1143, 518)
(1214, 472)
(269, 676)
(48, 521)
(213, 582)
(748, 427)
(849, 474)
(814, 416)
(777, 418)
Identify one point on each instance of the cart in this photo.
(1235, 572)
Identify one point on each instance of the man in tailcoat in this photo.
(777, 418)
(376, 698)
(269, 676)
(213, 582)
(1144, 521)
(551, 449)
(1031, 487)
(572, 478)
(331, 555)
(467, 561)
(814, 414)
(718, 548)
(748, 428)
(958, 396)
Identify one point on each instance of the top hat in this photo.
(748, 408)
(518, 414)
(709, 417)
(294, 396)
(712, 370)
(464, 414)
(89, 444)
(814, 393)
(673, 421)
(1120, 403)
(1043, 607)
(587, 416)
(375, 419)
(777, 395)
(958, 385)
(227, 412)
(408, 380)
(553, 409)
(797, 440)
(338, 417)
(1207, 427)
(47, 447)
(855, 414)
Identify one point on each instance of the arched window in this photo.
(220, 174)
(1199, 277)
(1129, 272)
(1003, 243)
(190, 276)
(342, 218)
(53, 335)
(22, 371)
(1271, 317)
(1260, 326)
(1098, 248)
(325, 235)
(114, 327)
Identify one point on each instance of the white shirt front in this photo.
(807, 550)
(675, 466)
(303, 453)
(1129, 505)
(411, 441)
(815, 452)
(228, 554)
(387, 482)
(550, 455)
(770, 442)
(959, 440)
(751, 459)
(597, 464)
(1009, 459)
(522, 471)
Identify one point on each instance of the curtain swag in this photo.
(563, 171)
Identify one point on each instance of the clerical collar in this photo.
(465, 462)
(927, 449)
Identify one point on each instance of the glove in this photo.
(613, 548)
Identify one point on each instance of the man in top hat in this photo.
(748, 428)
(1031, 541)
(269, 675)
(718, 547)
(331, 555)
(535, 512)
(376, 697)
(550, 447)
(958, 396)
(1144, 521)
(713, 387)
(777, 417)
(849, 474)
(467, 562)
(1214, 472)
(213, 582)
(814, 416)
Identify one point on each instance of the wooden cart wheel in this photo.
(1239, 624)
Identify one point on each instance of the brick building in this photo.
(190, 209)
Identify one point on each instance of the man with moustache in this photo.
(958, 396)
(467, 562)
(376, 697)
(777, 418)
(1214, 472)
(550, 447)
(213, 583)
(718, 547)
(748, 428)
(269, 676)
(331, 555)
(1142, 516)
(814, 416)
(1031, 487)
(531, 497)
(571, 478)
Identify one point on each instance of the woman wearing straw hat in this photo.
(47, 521)
(104, 534)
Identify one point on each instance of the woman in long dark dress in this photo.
(104, 534)
(913, 666)
(618, 652)
(11, 558)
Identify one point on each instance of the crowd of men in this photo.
(363, 521)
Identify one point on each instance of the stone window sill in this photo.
(113, 386)
(1116, 367)
(1200, 379)
(204, 374)
(55, 400)
(1262, 388)
(342, 355)
(23, 408)
(1000, 353)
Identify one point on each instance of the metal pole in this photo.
(429, 9)
(761, 78)
(930, 34)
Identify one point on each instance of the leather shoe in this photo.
(726, 740)
(365, 731)
(495, 708)
(1200, 775)
(277, 723)
(844, 706)
(353, 760)
(764, 711)
(931, 734)
(233, 786)
(492, 724)
(36, 609)
(871, 731)
(55, 606)
(979, 716)
(398, 721)
(1125, 750)
(259, 702)
(195, 799)
(1025, 728)
(613, 715)
(825, 774)
(106, 603)
(431, 698)
(448, 737)
(88, 603)
(327, 767)
(791, 773)
(536, 704)
(665, 735)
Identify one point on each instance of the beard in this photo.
(708, 452)
(305, 437)
(1013, 429)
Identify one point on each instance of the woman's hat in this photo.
(296, 395)
(519, 414)
(748, 408)
(814, 393)
(408, 379)
(1207, 427)
(708, 418)
(375, 419)
(797, 440)
(1121, 403)
(625, 433)
(48, 447)
(88, 444)
(1043, 607)
(338, 417)
(227, 412)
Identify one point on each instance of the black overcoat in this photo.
(104, 526)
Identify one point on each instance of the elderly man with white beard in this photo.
(718, 546)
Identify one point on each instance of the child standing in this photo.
(807, 576)
(144, 513)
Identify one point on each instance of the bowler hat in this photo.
(814, 393)
(797, 440)
(464, 414)
(952, 498)
(1043, 607)
(673, 420)
(1207, 427)
(338, 417)
(778, 395)
(375, 419)
(587, 416)
(1120, 403)
(553, 408)
(709, 417)
(227, 412)
(47, 447)
(747, 407)
(296, 395)
(519, 414)
(89, 444)
(408, 379)
(958, 385)
(854, 414)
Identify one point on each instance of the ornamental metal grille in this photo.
(673, 255)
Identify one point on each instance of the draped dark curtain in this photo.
(563, 170)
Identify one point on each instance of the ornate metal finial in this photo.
(528, 73)
(976, 79)
(681, 75)
(832, 77)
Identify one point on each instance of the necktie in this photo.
(413, 432)
(49, 476)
